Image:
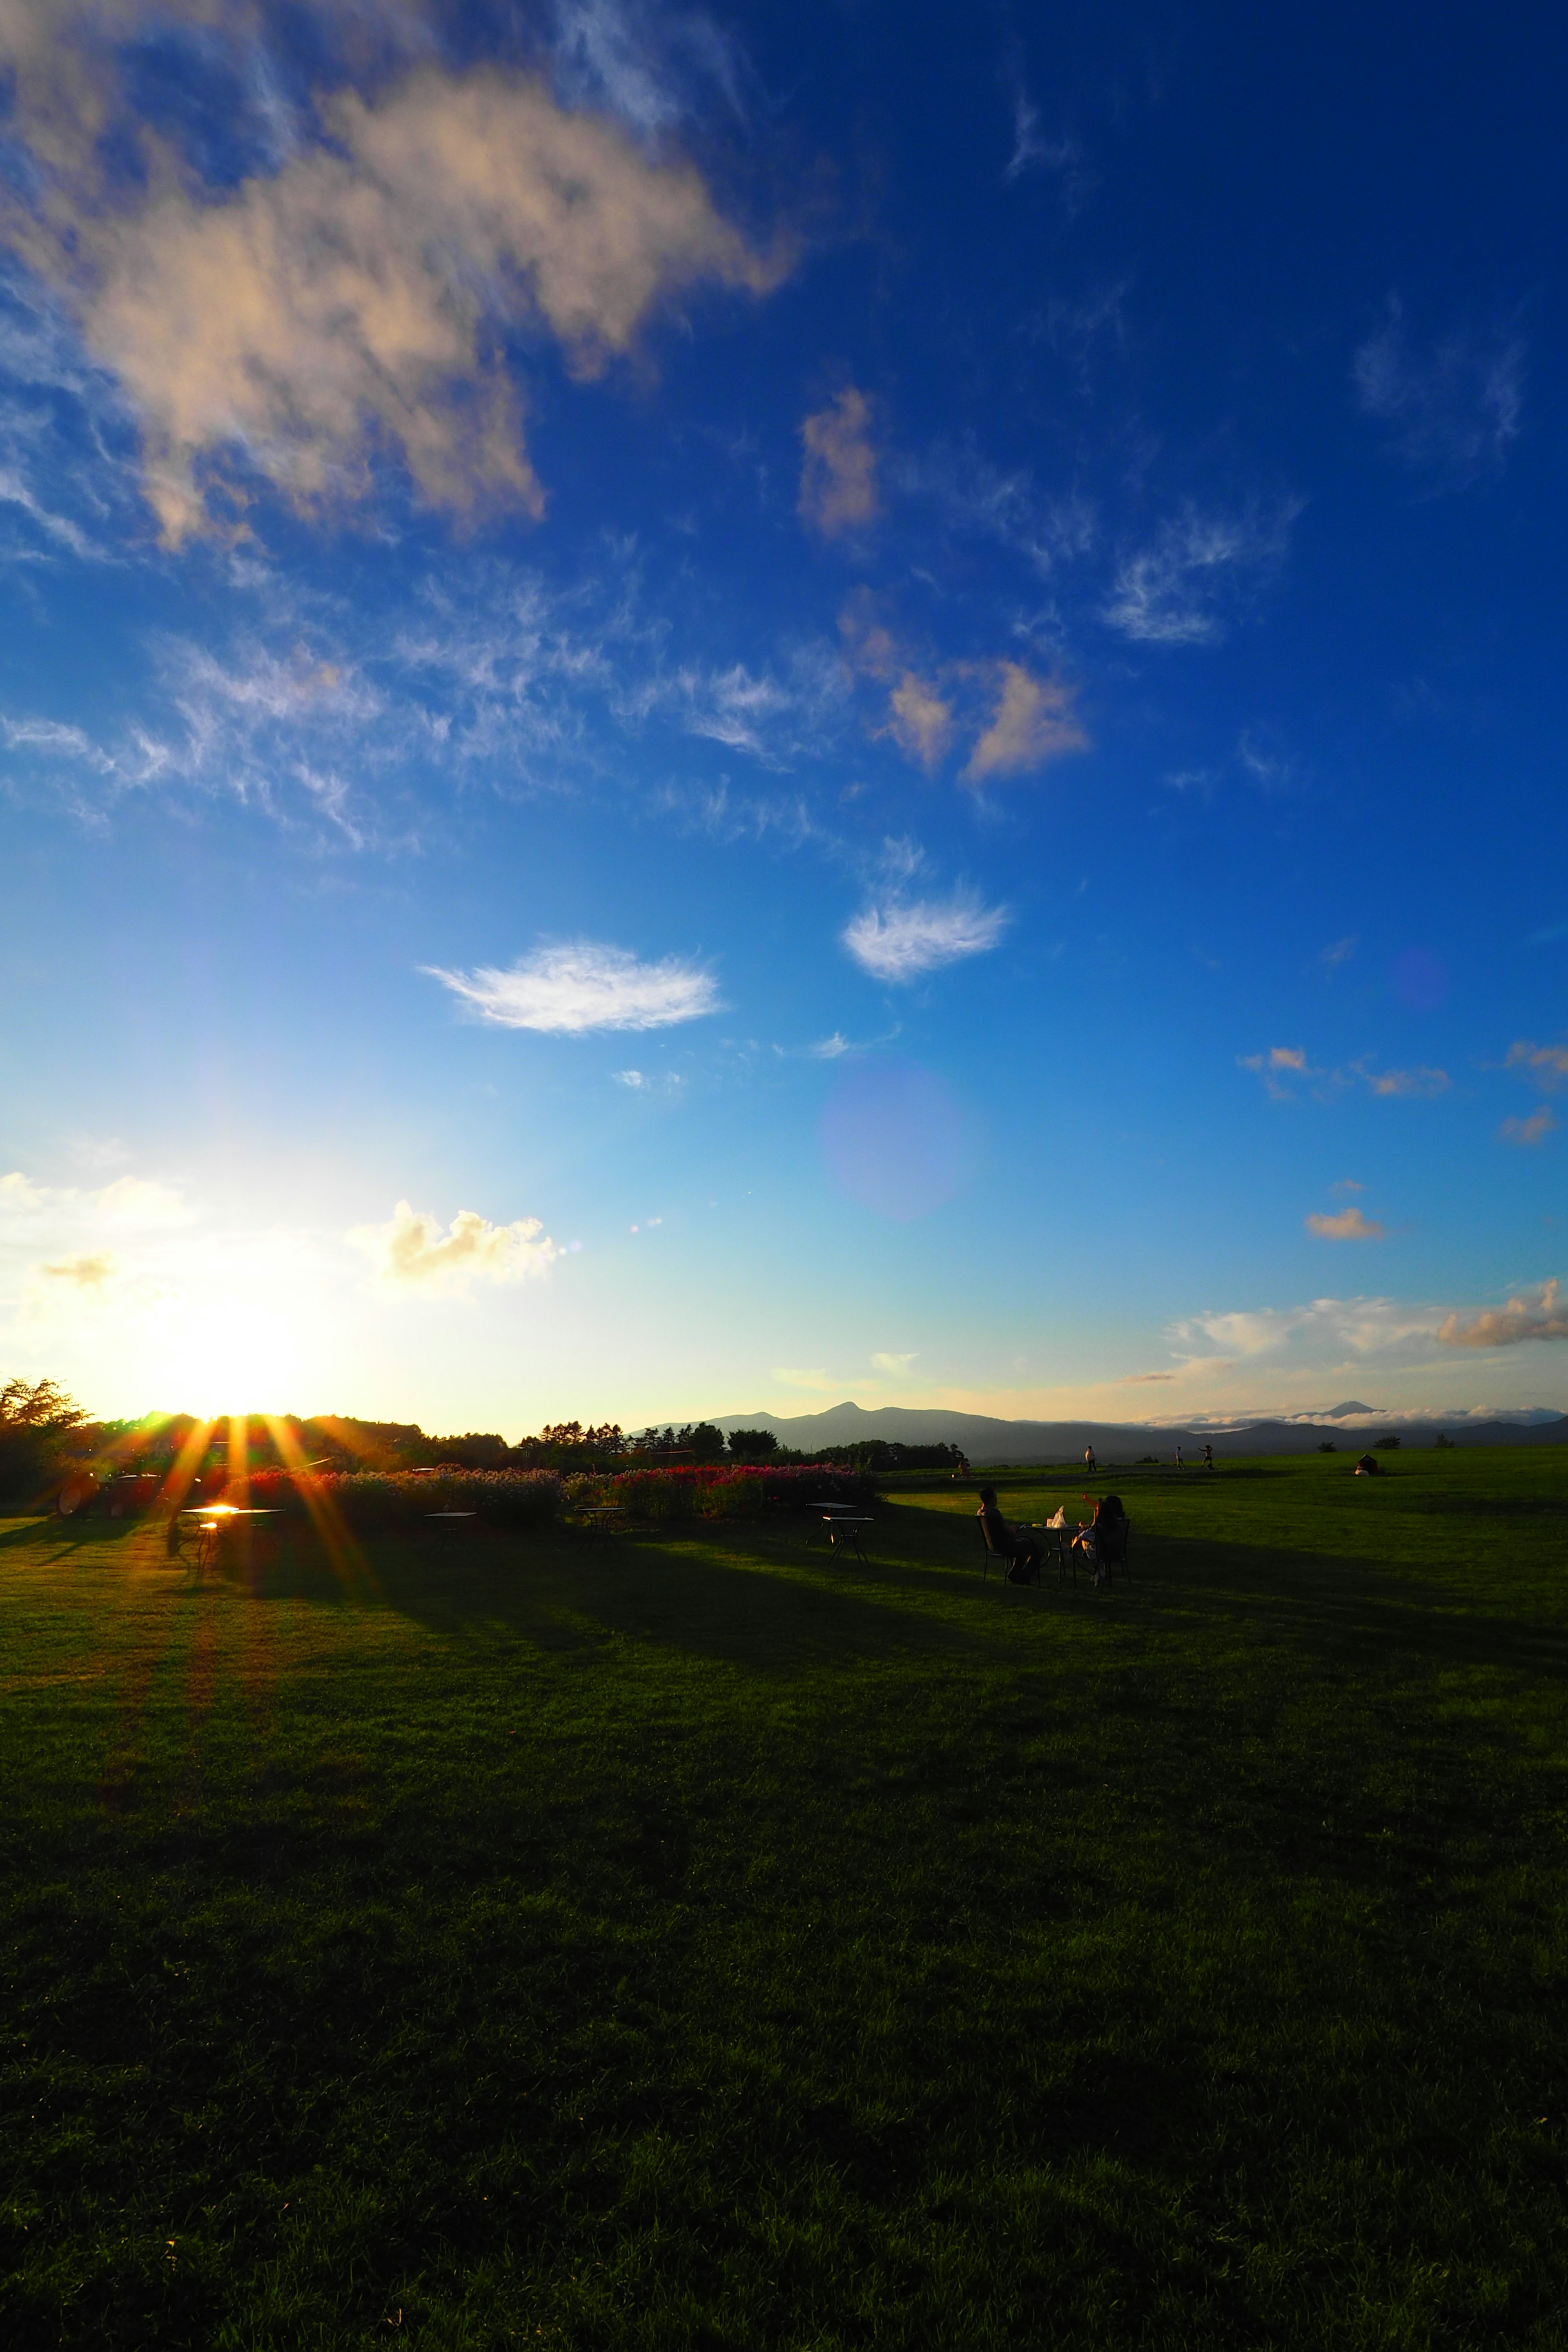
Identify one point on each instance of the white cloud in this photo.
(1347, 1225)
(137, 1201)
(413, 1248)
(1339, 951)
(1453, 405)
(1327, 1331)
(1352, 1336)
(903, 940)
(897, 1365)
(1540, 1313)
(1181, 589)
(570, 990)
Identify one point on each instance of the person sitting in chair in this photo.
(1104, 1530)
(1015, 1545)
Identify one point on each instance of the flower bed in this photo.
(721, 1490)
(365, 1500)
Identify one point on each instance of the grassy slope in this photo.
(711, 1942)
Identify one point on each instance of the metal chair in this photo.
(1004, 1558)
(1110, 1549)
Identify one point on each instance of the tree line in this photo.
(45, 1437)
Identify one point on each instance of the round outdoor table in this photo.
(848, 1524)
(602, 1517)
(214, 1520)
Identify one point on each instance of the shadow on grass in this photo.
(759, 1600)
(53, 1538)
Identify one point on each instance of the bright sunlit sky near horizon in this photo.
(713, 710)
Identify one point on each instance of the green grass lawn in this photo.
(708, 1941)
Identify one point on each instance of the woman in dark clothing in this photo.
(1107, 1523)
(1016, 1545)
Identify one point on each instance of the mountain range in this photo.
(985, 1439)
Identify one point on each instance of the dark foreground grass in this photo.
(708, 1942)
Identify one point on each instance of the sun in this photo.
(226, 1353)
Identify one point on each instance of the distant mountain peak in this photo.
(1342, 1412)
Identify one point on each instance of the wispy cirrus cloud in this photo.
(337, 720)
(1198, 574)
(1454, 405)
(415, 1250)
(1538, 1313)
(972, 498)
(580, 986)
(650, 66)
(838, 474)
(905, 939)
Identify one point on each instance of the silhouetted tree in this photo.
(37, 1423)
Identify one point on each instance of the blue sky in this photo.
(704, 711)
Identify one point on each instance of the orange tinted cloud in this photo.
(838, 474)
(347, 304)
(1031, 722)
